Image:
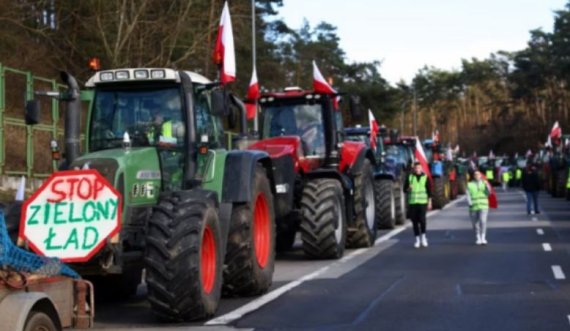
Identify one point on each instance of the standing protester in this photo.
(419, 190)
(531, 185)
(505, 177)
(478, 192)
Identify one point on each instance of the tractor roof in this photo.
(357, 131)
(142, 74)
(289, 92)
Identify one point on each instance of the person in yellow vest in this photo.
(490, 174)
(418, 188)
(164, 129)
(505, 178)
(478, 192)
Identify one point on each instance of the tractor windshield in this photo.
(151, 117)
(296, 118)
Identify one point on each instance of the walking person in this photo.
(478, 191)
(531, 186)
(418, 188)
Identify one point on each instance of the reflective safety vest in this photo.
(479, 195)
(489, 174)
(518, 174)
(418, 193)
(166, 129)
(506, 176)
(568, 180)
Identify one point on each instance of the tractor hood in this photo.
(279, 146)
(135, 171)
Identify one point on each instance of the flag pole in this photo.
(253, 51)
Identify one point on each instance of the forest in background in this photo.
(506, 102)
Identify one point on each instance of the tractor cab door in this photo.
(209, 131)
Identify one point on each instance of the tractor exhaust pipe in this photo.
(72, 118)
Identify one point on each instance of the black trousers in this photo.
(418, 216)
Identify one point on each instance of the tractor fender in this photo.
(16, 307)
(358, 161)
(239, 172)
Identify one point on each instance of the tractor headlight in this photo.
(106, 76)
(122, 75)
(157, 74)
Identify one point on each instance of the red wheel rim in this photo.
(208, 261)
(261, 230)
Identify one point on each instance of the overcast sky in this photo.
(408, 34)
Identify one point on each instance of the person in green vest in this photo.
(418, 188)
(478, 191)
(490, 174)
(505, 178)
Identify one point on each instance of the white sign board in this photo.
(71, 215)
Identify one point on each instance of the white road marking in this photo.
(558, 273)
(268, 297)
(540, 232)
(547, 247)
(568, 318)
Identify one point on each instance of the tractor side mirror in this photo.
(354, 107)
(32, 114)
(220, 103)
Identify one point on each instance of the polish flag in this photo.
(252, 96)
(320, 85)
(373, 124)
(421, 157)
(224, 53)
(556, 131)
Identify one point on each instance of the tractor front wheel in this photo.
(323, 223)
(439, 192)
(183, 258)
(365, 228)
(250, 255)
(385, 203)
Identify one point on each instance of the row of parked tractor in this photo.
(204, 220)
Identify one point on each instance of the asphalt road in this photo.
(516, 282)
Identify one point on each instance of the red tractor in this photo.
(324, 183)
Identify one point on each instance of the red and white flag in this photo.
(421, 157)
(252, 96)
(224, 53)
(556, 131)
(373, 124)
(320, 85)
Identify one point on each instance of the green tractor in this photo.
(197, 217)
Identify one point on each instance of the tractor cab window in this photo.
(207, 125)
(151, 117)
(296, 119)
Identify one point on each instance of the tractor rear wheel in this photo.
(250, 255)
(439, 194)
(323, 223)
(183, 257)
(385, 203)
(364, 233)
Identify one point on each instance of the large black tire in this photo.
(363, 234)
(250, 254)
(453, 189)
(439, 198)
(401, 206)
(461, 184)
(40, 321)
(183, 257)
(323, 219)
(385, 203)
(560, 183)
